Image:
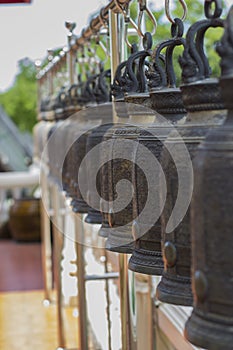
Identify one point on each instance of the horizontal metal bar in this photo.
(104, 276)
(97, 22)
(130, 31)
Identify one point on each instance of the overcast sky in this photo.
(29, 30)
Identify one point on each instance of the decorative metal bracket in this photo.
(194, 62)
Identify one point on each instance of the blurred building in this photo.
(15, 147)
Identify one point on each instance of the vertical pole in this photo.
(144, 323)
(107, 300)
(71, 60)
(114, 42)
(58, 245)
(46, 249)
(39, 88)
(50, 74)
(82, 307)
(50, 82)
(124, 302)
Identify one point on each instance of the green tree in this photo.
(20, 100)
(195, 13)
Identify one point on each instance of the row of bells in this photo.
(194, 260)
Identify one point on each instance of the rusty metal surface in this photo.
(166, 100)
(94, 139)
(202, 99)
(211, 322)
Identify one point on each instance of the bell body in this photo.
(90, 126)
(73, 137)
(211, 323)
(83, 122)
(120, 237)
(54, 139)
(78, 152)
(94, 140)
(147, 255)
(105, 183)
(68, 132)
(41, 133)
(106, 169)
(204, 105)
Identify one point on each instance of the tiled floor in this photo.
(26, 324)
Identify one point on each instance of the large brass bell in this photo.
(71, 134)
(72, 104)
(81, 131)
(82, 124)
(120, 238)
(55, 136)
(89, 134)
(211, 323)
(166, 101)
(121, 114)
(104, 184)
(95, 138)
(202, 99)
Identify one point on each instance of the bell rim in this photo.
(203, 332)
(103, 232)
(93, 218)
(79, 206)
(124, 248)
(145, 269)
(182, 287)
(139, 255)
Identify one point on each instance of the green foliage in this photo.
(20, 100)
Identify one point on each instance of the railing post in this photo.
(46, 248)
(82, 307)
(58, 246)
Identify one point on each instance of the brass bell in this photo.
(167, 102)
(94, 139)
(71, 104)
(120, 238)
(211, 322)
(106, 188)
(87, 119)
(115, 168)
(78, 151)
(82, 127)
(202, 99)
(71, 133)
(103, 112)
(104, 185)
(106, 169)
(53, 157)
